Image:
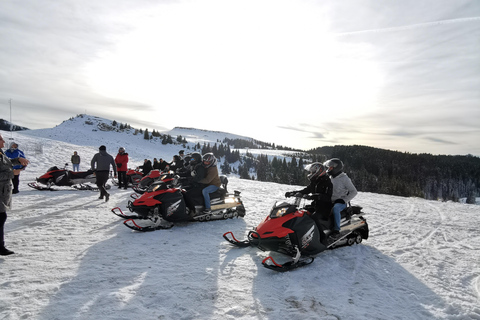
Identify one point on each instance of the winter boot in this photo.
(4, 251)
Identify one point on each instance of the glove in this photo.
(119, 165)
(339, 201)
(289, 194)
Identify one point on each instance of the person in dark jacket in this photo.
(6, 176)
(75, 161)
(13, 152)
(211, 179)
(156, 164)
(146, 167)
(163, 164)
(121, 160)
(101, 165)
(320, 191)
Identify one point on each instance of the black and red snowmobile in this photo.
(154, 175)
(290, 229)
(163, 204)
(56, 177)
(133, 177)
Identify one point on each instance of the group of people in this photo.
(330, 187)
(203, 170)
(331, 190)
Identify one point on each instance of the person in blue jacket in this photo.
(13, 152)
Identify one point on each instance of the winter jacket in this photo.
(75, 159)
(146, 168)
(121, 160)
(13, 154)
(102, 161)
(322, 189)
(6, 176)
(211, 177)
(343, 188)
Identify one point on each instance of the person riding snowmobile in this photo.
(320, 191)
(343, 189)
(211, 179)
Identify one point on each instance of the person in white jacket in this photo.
(343, 190)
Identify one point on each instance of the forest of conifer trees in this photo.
(434, 177)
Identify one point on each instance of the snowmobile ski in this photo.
(118, 212)
(53, 187)
(290, 265)
(157, 223)
(234, 241)
(297, 262)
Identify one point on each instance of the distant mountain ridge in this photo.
(371, 169)
(7, 126)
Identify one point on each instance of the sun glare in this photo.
(257, 56)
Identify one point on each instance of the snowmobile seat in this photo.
(224, 182)
(220, 193)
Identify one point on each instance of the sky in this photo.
(398, 75)
(74, 259)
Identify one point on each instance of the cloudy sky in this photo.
(400, 75)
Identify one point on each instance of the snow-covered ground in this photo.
(74, 259)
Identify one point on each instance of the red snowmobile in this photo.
(133, 177)
(290, 229)
(56, 177)
(164, 203)
(154, 175)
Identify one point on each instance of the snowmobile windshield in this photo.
(281, 208)
(52, 169)
(157, 185)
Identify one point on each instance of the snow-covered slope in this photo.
(75, 260)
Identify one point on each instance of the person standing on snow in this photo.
(13, 152)
(6, 176)
(101, 166)
(343, 190)
(75, 161)
(121, 160)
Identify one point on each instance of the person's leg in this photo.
(337, 208)
(121, 181)
(206, 195)
(3, 251)
(3, 218)
(15, 182)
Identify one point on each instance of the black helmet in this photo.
(315, 170)
(209, 160)
(121, 149)
(196, 158)
(334, 166)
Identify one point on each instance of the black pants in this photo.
(122, 179)
(15, 181)
(3, 218)
(102, 178)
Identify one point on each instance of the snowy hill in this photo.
(94, 131)
(76, 260)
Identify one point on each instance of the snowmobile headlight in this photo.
(155, 188)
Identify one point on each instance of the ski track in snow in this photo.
(75, 260)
